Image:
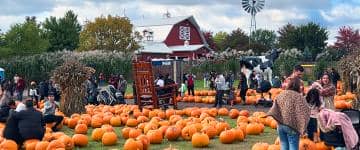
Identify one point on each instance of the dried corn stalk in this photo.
(71, 77)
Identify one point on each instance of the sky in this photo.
(211, 15)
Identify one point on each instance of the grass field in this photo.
(268, 136)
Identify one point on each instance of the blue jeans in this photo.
(289, 139)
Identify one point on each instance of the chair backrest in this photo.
(144, 79)
(353, 114)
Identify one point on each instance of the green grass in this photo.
(199, 85)
(268, 136)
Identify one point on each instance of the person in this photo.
(220, 89)
(20, 105)
(6, 110)
(206, 79)
(252, 77)
(168, 81)
(327, 91)
(122, 85)
(313, 99)
(292, 114)
(43, 90)
(232, 96)
(91, 91)
(243, 87)
(329, 120)
(160, 83)
(190, 84)
(334, 76)
(212, 80)
(101, 79)
(6, 94)
(19, 89)
(30, 122)
(49, 112)
(298, 73)
(11, 130)
(182, 89)
(33, 93)
(276, 82)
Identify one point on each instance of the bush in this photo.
(38, 67)
(284, 65)
(322, 65)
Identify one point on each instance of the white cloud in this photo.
(342, 12)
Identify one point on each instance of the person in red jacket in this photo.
(190, 84)
(19, 89)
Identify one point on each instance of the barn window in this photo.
(184, 33)
(148, 34)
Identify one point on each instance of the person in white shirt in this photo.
(20, 106)
(160, 81)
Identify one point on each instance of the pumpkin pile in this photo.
(344, 101)
(305, 144)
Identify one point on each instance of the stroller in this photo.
(110, 96)
(335, 138)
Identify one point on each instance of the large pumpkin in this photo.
(115, 121)
(41, 145)
(145, 141)
(131, 122)
(134, 133)
(132, 144)
(239, 134)
(68, 142)
(253, 129)
(227, 137)
(72, 123)
(109, 138)
(187, 132)
(97, 134)
(234, 113)
(155, 136)
(223, 112)
(172, 133)
(80, 140)
(55, 144)
(200, 140)
(81, 129)
(210, 131)
(260, 146)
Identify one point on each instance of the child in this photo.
(232, 96)
(182, 89)
(313, 99)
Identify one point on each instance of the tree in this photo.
(348, 39)
(63, 33)
(237, 40)
(26, 38)
(262, 40)
(310, 35)
(219, 40)
(112, 33)
(209, 39)
(286, 34)
(2, 39)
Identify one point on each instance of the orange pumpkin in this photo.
(55, 144)
(68, 142)
(30, 144)
(223, 112)
(80, 140)
(41, 145)
(145, 141)
(306, 144)
(109, 138)
(244, 113)
(322, 146)
(115, 121)
(210, 131)
(274, 147)
(221, 126)
(132, 144)
(187, 132)
(200, 140)
(155, 136)
(234, 113)
(227, 137)
(97, 134)
(260, 146)
(131, 122)
(172, 133)
(72, 123)
(239, 134)
(96, 122)
(134, 133)
(81, 129)
(125, 132)
(253, 129)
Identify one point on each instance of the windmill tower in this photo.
(253, 7)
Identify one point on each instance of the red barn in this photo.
(173, 37)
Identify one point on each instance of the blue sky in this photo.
(213, 15)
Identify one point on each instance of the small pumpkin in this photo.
(172, 133)
(200, 140)
(81, 129)
(227, 137)
(260, 146)
(109, 138)
(187, 132)
(145, 141)
(115, 121)
(80, 140)
(132, 144)
(210, 131)
(97, 134)
(134, 133)
(42, 145)
(155, 136)
(131, 122)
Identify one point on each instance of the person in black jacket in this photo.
(11, 130)
(31, 122)
(5, 110)
(43, 90)
(243, 87)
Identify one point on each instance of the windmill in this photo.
(253, 7)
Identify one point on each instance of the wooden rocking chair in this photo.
(146, 90)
